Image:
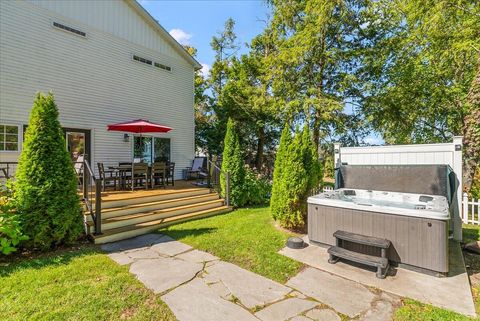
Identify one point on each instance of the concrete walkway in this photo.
(452, 292)
(199, 286)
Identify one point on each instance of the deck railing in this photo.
(213, 180)
(92, 194)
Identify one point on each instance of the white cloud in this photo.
(205, 71)
(181, 36)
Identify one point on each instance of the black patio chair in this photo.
(170, 174)
(107, 177)
(158, 174)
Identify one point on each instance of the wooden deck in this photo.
(126, 214)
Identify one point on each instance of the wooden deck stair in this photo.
(126, 215)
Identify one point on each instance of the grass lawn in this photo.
(245, 237)
(80, 284)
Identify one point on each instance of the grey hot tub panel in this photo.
(416, 241)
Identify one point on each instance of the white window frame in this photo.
(19, 137)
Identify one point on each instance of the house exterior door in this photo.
(78, 143)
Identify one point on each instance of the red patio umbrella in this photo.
(138, 126)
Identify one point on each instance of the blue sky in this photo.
(195, 23)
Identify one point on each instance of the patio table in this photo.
(122, 174)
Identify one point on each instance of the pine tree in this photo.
(278, 170)
(233, 163)
(46, 183)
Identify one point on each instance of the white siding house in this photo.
(106, 62)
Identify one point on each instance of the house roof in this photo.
(164, 33)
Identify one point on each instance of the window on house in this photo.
(8, 138)
(143, 60)
(162, 66)
(69, 29)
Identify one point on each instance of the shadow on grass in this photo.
(471, 234)
(179, 234)
(55, 258)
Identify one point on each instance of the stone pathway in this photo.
(199, 286)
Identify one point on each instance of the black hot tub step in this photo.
(362, 239)
(339, 252)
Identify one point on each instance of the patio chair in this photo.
(197, 168)
(140, 174)
(157, 174)
(107, 177)
(170, 174)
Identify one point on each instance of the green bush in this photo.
(10, 232)
(233, 163)
(278, 170)
(257, 188)
(46, 183)
(300, 174)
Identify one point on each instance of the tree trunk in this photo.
(471, 132)
(260, 146)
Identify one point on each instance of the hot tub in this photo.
(416, 224)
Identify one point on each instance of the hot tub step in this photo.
(379, 262)
(362, 239)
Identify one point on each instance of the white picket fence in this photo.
(471, 210)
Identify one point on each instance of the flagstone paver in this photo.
(300, 318)
(285, 309)
(323, 315)
(198, 286)
(163, 274)
(169, 246)
(195, 301)
(145, 253)
(343, 295)
(121, 258)
(197, 256)
(250, 288)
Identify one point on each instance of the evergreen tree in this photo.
(233, 163)
(299, 174)
(46, 182)
(280, 161)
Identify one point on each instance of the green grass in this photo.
(78, 285)
(245, 237)
(415, 311)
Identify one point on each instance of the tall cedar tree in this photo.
(280, 161)
(300, 174)
(46, 183)
(233, 163)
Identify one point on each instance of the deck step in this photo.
(157, 205)
(111, 201)
(358, 257)
(362, 239)
(146, 227)
(140, 217)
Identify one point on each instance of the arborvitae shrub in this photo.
(46, 182)
(233, 163)
(300, 173)
(278, 170)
